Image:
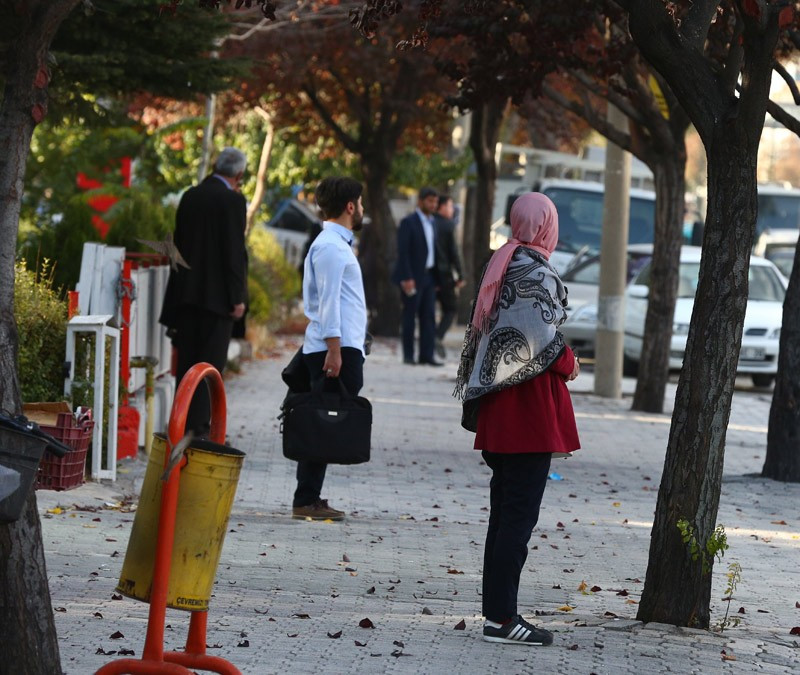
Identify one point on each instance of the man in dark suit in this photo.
(448, 265)
(202, 301)
(415, 271)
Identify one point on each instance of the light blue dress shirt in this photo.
(427, 228)
(333, 291)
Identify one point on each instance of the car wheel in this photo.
(630, 368)
(760, 380)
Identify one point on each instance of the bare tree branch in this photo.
(788, 120)
(591, 115)
(609, 94)
(778, 68)
(352, 144)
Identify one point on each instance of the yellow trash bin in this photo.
(205, 497)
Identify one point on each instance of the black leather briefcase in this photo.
(329, 427)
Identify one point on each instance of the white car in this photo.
(582, 280)
(762, 324)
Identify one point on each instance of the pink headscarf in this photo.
(534, 224)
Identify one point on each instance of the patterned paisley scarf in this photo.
(520, 340)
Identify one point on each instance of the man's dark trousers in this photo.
(447, 301)
(201, 336)
(311, 475)
(423, 305)
(517, 485)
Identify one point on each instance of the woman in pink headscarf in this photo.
(512, 379)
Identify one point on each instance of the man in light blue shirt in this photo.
(333, 298)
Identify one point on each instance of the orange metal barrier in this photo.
(155, 661)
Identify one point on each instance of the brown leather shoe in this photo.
(319, 510)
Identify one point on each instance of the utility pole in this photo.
(613, 266)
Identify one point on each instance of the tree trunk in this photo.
(783, 438)
(378, 247)
(261, 176)
(483, 136)
(677, 588)
(30, 644)
(668, 173)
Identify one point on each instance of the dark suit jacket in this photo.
(209, 233)
(412, 250)
(447, 257)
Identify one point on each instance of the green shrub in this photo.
(273, 283)
(139, 215)
(41, 316)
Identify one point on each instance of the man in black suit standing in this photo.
(203, 301)
(415, 271)
(448, 264)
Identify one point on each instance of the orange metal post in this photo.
(154, 659)
(72, 306)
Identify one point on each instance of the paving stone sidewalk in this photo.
(290, 594)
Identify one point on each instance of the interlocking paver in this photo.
(416, 521)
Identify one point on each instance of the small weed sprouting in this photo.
(733, 576)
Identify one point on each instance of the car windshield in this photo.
(589, 272)
(580, 218)
(778, 212)
(783, 259)
(764, 284)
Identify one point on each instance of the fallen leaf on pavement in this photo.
(778, 522)
(728, 657)
(595, 589)
(301, 616)
(359, 644)
(795, 631)
(461, 625)
(345, 558)
(126, 652)
(366, 623)
(336, 635)
(397, 643)
(427, 612)
(116, 636)
(565, 608)
(370, 590)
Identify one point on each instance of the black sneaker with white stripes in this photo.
(517, 632)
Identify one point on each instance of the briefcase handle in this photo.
(317, 386)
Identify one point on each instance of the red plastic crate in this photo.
(64, 473)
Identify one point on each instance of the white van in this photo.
(580, 218)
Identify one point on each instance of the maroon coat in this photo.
(534, 416)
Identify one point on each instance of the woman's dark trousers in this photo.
(311, 475)
(517, 486)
